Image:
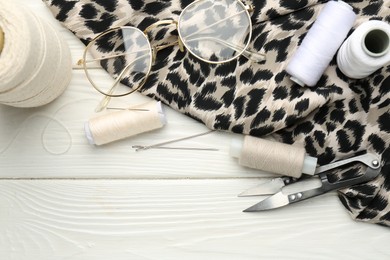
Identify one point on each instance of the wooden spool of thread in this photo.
(112, 126)
(272, 156)
(1, 39)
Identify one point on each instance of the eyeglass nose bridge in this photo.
(249, 8)
(157, 24)
(164, 22)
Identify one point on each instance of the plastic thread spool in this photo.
(321, 43)
(366, 50)
(376, 43)
(112, 126)
(272, 156)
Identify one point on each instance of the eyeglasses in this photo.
(214, 31)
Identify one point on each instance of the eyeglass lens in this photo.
(215, 31)
(126, 54)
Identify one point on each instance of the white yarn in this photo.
(366, 50)
(35, 61)
(321, 43)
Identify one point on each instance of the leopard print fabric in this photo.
(336, 119)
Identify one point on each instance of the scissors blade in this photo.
(291, 193)
(266, 188)
(275, 201)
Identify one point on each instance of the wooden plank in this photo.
(173, 219)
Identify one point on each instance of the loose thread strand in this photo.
(45, 129)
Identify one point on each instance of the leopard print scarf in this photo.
(336, 119)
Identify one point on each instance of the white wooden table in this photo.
(61, 198)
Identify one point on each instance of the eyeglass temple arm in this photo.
(216, 23)
(251, 55)
(104, 102)
(81, 61)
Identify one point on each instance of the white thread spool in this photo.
(35, 61)
(366, 50)
(109, 127)
(272, 156)
(321, 43)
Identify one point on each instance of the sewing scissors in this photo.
(288, 190)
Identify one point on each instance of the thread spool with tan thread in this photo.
(108, 127)
(273, 157)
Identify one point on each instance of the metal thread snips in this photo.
(287, 190)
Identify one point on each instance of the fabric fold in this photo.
(336, 119)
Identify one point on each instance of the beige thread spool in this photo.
(272, 156)
(113, 126)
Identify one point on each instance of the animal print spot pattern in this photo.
(336, 119)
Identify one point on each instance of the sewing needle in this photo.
(160, 145)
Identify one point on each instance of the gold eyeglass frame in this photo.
(257, 57)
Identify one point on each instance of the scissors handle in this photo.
(368, 159)
(326, 186)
